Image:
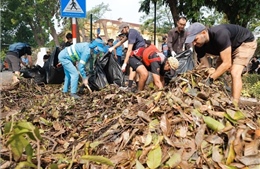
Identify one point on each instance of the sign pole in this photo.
(74, 31)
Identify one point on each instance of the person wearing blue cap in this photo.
(235, 46)
(80, 52)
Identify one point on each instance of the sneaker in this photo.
(128, 89)
(75, 96)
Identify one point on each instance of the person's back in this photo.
(148, 51)
(224, 35)
(13, 58)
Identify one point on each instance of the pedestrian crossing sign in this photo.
(73, 8)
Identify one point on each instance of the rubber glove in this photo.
(123, 67)
(110, 49)
(173, 53)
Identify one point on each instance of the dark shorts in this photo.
(134, 62)
(13, 62)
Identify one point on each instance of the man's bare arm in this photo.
(225, 56)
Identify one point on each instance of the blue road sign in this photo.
(73, 8)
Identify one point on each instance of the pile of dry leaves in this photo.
(186, 125)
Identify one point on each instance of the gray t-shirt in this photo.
(223, 36)
(135, 38)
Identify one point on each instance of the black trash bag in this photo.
(185, 63)
(106, 71)
(113, 71)
(37, 73)
(54, 74)
(97, 80)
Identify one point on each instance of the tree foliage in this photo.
(31, 21)
(164, 21)
(239, 12)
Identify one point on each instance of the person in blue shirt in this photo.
(109, 44)
(80, 52)
(119, 50)
(165, 47)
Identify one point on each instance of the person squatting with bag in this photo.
(80, 52)
(13, 58)
(157, 63)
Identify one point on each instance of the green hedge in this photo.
(251, 85)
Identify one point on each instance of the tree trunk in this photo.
(174, 10)
(54, 35)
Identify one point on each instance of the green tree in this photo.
(239, 12)
(164, 20)
(177, 8)
(33, 16)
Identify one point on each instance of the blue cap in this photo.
(194, 30)
(97, 43)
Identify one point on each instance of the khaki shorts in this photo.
(242, 55)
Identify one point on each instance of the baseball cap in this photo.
(97, 43)
(173, 62)
(193, 30)
(122, 26)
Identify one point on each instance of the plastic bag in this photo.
(54, 75)
(113, 71)
(37, 73)
(186, 63)
(97, 80)
(106, 71)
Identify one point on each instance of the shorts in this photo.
(13, 62)
(134, 62)
(242, 55)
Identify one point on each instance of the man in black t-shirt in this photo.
(235, 45)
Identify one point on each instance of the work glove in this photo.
(110, 49)
(173, 53)
(123, 67)
(209, 81)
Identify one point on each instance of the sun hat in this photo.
(193, 30)
(173, 62)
